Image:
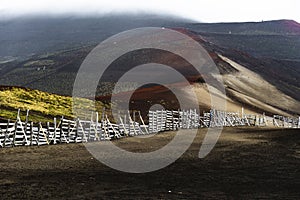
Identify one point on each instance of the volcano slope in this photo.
(257, 83)
(246, 83)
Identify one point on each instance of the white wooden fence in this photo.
(19, 133)
(286, 122)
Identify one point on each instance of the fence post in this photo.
(141, 118)
(133, 122)
(18, 115)
(242, 112)
(76, 131)
(6, 133)
(124, 125)
(60, 129)
(25, 127)
(55, 127)
(39, 130)
(31, 133)
(96, 129)
(68, 133)
(48, 132)
(15, 133)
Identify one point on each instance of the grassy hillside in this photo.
(42, 105)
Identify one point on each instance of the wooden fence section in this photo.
(286, 122)
(19, 133)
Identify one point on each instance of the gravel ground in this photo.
(247, 163)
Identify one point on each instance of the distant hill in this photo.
(272, 39)
(284, 47)
(23, 37)
(276, 27)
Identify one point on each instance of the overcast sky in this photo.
(200, 10)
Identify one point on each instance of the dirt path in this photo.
(245, 164)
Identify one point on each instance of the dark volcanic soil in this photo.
(247, 163)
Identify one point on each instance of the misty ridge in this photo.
(34, 35)
(26, 36)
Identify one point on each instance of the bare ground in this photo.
(247, 163)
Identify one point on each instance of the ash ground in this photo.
(247, 163)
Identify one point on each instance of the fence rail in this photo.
(19, 133)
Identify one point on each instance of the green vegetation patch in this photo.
(42, 105)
